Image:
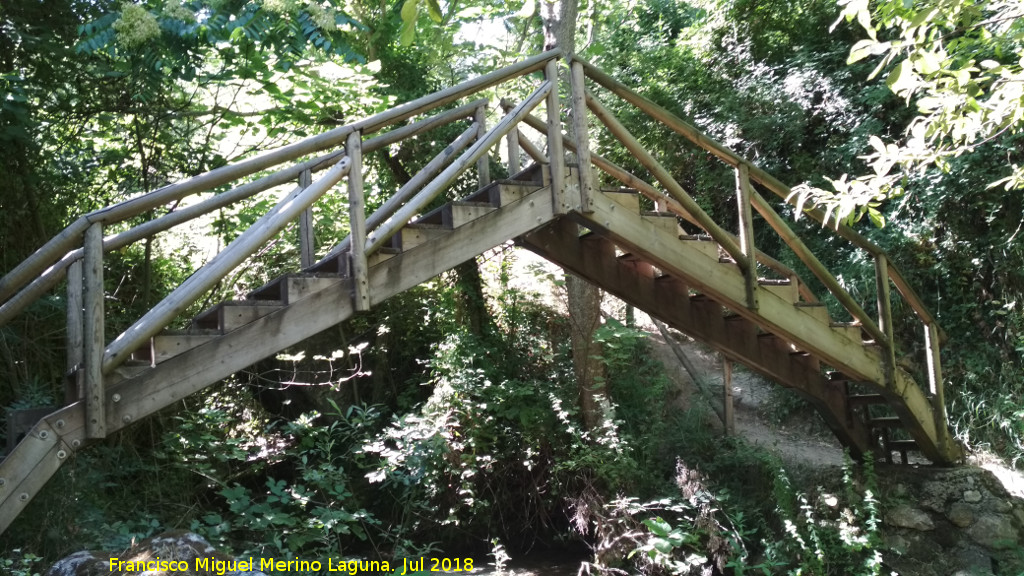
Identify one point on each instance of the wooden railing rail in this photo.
(417, 203)
(207, 277)
(70, 238)
(51, 276)
(756, 174)
(649, 191)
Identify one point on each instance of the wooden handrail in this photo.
(758, 175)
(815, 266)
(70, 237)
(207, 277)
(415, 205)
(648, 190)
(706, 222)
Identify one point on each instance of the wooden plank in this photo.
(933, 359)
(625, 197)
(306, 245)
(95, 340)
(665, 221)
(815, 310)
(785, 289)
(357, 223)
(247, 243)
(292, 287)
(44, 466)
(415, 234)
(163, 347)
(233, 314)
(581, 133)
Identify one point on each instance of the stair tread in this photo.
(887, 421)
(861, 399)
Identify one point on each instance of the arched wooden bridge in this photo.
(715, 286)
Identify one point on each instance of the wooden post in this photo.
(885, 317)
(582, 136)
(729, 420)
(747, 232)
(357, 222)
(306, 247)
(933, 355)
(515, 162)
(483, 164)
(75, 343)
(95, 398)
(556, 155)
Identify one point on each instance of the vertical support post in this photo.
(75, 343)
(747, 232)
(935, 383)
(357, 221)
(556, 155)
(92, 274)
(582, 135)
(483, 165)
(515, 162)
(728, 418)
(885, 317)
(306, 247)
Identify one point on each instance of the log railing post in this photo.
(556, 155)
(935, 383)
(357, 222)
(483, 164)
(75, 343)
(746, 232)
(728, 419)
(94, 345)
(581, 135)
(306, 246)
(884, 301)
(515, 161)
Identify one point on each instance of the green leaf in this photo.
(861, 50)
(658, 526)
(902, 79)
(434, 10)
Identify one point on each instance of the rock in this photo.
(995, 532)
(971, 561)
(907, 517)
(961, 515)
(972, 496)
(191, 553)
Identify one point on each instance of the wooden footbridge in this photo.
(714, 285)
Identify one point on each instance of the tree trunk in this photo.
(584, 299)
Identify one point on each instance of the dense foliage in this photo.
(449, 416)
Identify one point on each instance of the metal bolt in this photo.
(76, 443)
(23, 496)
(3, 481)
(60, 423)
(43, 434)
(126, 418)
(61, 454)
(117, 397)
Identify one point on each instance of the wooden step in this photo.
(665, 221)
(701, 244)
(816, 310)
(232, 314)
(852, 330)
(885, 422)
(456, 214)
(536, 173)
(413, 235)
(163, 347)
(866, 399)
(627, 198)
(785, 289)
(503, 192)
(382, 254)
(291, 287)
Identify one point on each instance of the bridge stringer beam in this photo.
(593, 257)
